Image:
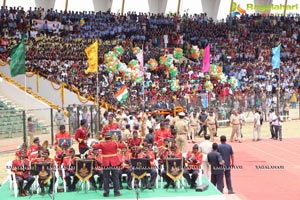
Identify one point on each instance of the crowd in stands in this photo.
(241, 46)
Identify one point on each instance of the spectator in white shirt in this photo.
(277, 122)
(205, 148)
(271, 117)
(257, 126)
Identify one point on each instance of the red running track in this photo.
(256, 181)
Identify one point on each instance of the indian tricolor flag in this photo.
(122, 94)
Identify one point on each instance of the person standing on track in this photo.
(227, 155)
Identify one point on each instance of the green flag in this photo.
(17, 62)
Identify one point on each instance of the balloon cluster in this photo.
(195, 52)
(112, 62)
(216, 72)
(175, 85)
(178, 53)
(152, 64)
(81, 22)
(208, 86)
(136, 50)
(173, 71)
(165, 60)
(119, 50)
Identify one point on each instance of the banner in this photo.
(174, 168)
(92, 54)
(140, 167)
(17, 63)
(206, 59)
(66, 140)
(204, 100)
(276, 57)
(84, 169)
(44, 170)
(115, 135)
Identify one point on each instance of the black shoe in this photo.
(166, 186)
(150, 187)
(144, 187)
(117, 194)
(93, 187)
(173, 185)
(230, 192)
(105, 194)
(42, 192)
(129, 188)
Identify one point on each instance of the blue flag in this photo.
(276, 57)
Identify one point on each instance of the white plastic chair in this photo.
(12, 179)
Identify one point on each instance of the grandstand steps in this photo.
(11, 120)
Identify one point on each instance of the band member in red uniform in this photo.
(148, 154)
(193, 163)
(110, 162)
(161, 134)
(61, 134)
(125, 167)
(163, 151)
(24, 148)
(45, 158)
(81, 136)
(21, 167)
(135, 140)
(69, 166)
(34, 149)
(60, 153)
(96, 155)
(173, 153)
(112, 125)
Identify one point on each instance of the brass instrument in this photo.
(160, 153)
(190, 158)
(45, 145)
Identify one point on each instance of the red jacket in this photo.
(151, 156)
(125, 161)
(109, 152)
(134, 142)
(33, 151)
(160, 135)
(81, 137)
(59, 154)
(21, 170)
(70, 164)
(190, 157)
(97, 159)
(109, 127)
(61, 135)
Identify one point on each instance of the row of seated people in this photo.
(66, 158)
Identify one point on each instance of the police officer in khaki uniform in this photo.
(181, 127)
(212, 125)
(193, 126)
(235, 123)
